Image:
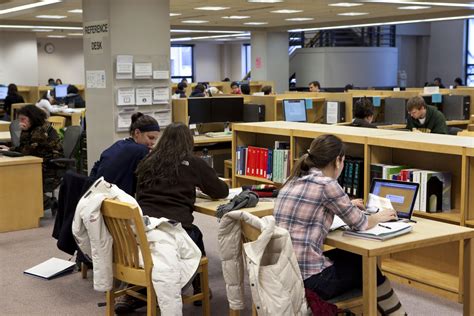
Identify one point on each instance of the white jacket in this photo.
(275, 278)
(175, 256)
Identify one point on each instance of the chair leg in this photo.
(254, 310)
(110, 301)
(206, 304)
(84, 270)
(233, 312)
(151, 305)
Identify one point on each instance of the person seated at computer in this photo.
(438, 82)
(58, 81)
(73, 98)
(117, 164)
(245, 88)
(198, 91)
(46, 104)
(38, 138)
(267, 90)
(180, 91)
(235, 88)
(314, 86)
(306, 206)
(425, 118)
(457, 83)
(363, 113)
(212, 91)
(51, 82)
(12, 97)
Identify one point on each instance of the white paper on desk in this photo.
(233, 193)
(161, 95)
(125, 96)
(161, 74)
(378, 230)
(375, 203)
(337, 223)
(143, 70)
(125, 64)
(332, 114)
(430, 90)
(143, 96)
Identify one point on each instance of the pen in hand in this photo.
(385, 226)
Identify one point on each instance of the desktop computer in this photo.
(3, 93)
(227, 109)
(456, 107)
(254, 112)
(199, 110)
(395, 111)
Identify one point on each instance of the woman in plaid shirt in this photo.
(306, 206)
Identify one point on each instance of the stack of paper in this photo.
(382, 231)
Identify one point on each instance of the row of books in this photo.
(352, 177)
(434, 193)
(268, 163)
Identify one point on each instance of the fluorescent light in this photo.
(286, 11)
(299, 19)
(75, 34)
(236, 17)
(414, 7)
(212, 8)
(75, 11)
(15, 26)
(344, 4)
(54, 17)
(422, 3)
(41, 30)
(28, 6)
(185, 39)
(352, 13)
(243, 38)
(194, 21)
(462, 17)
(57, 36)
(174, 14)
(205, 31)
(265, 1)
(255, 23)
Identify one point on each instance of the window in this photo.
(470, 53)
(182, 62)
(247, 59)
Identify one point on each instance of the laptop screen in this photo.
(401, 194)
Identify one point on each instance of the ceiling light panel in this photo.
(195, 21)
(236, 17)
(265, 1)
(414, 7)
(423, 3)
(57, 36)
(174, 14)
(53, 17)
(255, 23)
(29, 6)
(286, 11)
(352, 13)
(345, 4)
(299, 19)
(212, 8)
(75, 11)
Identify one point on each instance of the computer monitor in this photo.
(60, 91)
(401, 194)
(199, 110)
(227, 109)
(3, 93)
(294, 110)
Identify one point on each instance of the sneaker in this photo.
(127, 304)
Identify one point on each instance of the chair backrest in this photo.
(15, 108)
(249, 232)
(72, 135)
(58, 122)
(125, 224)
(15, 133)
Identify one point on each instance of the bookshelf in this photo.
(439, 269)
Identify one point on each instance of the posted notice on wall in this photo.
(161, 74)
(143, 70)
(161, 95)
(143, 96)
(124, 118)
(125, 96)
(124, 67)
(163, 117)
(332, 112)
(95, 79)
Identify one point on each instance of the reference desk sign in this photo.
(95, 33)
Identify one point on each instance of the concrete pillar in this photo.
(270, 59)
(140, 28)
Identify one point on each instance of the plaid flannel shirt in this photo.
(306, 207)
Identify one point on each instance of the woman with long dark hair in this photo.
(12, 97)
(306, 206)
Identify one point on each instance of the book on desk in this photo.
(382, 231)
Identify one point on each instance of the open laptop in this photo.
(401, 194)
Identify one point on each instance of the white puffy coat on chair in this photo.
(275, 278)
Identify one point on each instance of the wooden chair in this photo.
(119, 218)
(58, 122)
(228, 168)
(250, 233)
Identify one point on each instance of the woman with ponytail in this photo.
(306, 206)
(117, 164)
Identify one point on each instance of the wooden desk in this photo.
(425, 233)
(5, 137)
(71, 118)
(204, 140)
(210, 207)
(21, 193)
(4, 126)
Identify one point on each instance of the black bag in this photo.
(243, 200)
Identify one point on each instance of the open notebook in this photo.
(382, 231)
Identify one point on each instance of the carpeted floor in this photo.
(70, 295)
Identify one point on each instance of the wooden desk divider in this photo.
(438, 269)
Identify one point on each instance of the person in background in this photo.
(235, 88)
(185, 81)
(438, 82)
(425, 118)
(198, 91)
(226, 79)
(51, 82)
(38, 138)
(180, 91)
(213, 91)
(59, 81)
(348, 87)
(314, 86)
(267, 90)
(457, 82)
(117, 164)
(73, 98)
(363, 113)
(46, 103)
(306, 206)
(12, 97)
(245, 88)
